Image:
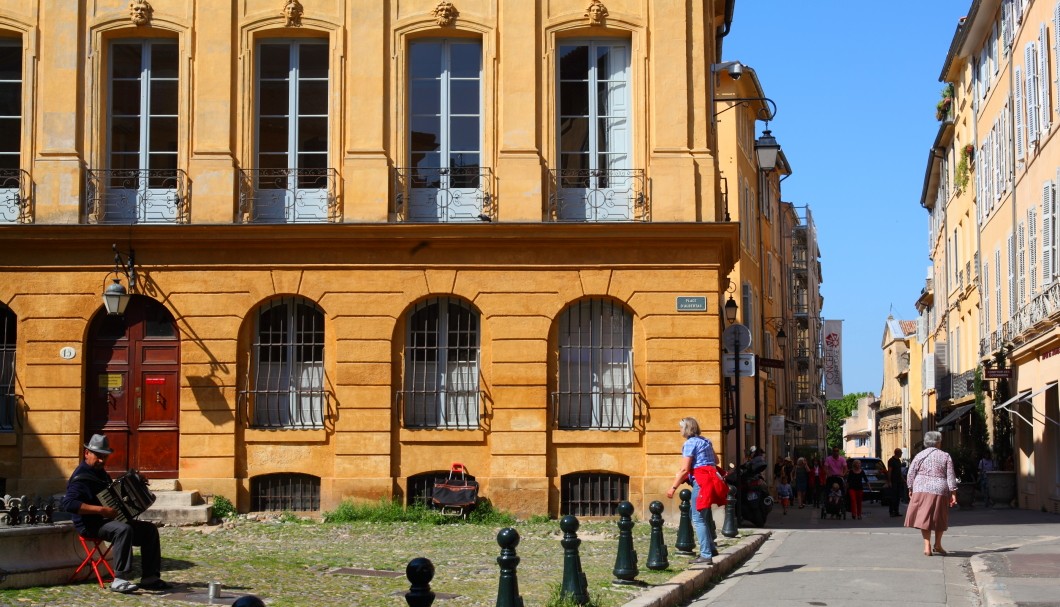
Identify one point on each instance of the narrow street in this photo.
(875, 560)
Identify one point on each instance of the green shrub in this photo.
(538, 519)
(223, 508)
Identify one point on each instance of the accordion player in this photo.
(128, 494)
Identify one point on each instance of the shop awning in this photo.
(954, 415)
(1019, 396)
(1027, 395)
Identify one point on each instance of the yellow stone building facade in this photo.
(364, 240)
(991, 189)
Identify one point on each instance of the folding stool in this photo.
(94, 555)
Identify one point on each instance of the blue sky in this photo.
(855, 85)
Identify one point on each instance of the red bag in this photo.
(713, 490)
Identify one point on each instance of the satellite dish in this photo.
(737, 335)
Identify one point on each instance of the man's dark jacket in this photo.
(82, 488)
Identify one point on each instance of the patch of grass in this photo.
(557, 598)
(387, 511)
(538, 519)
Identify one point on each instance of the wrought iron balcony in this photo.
(288, 195)
(598, 195)
(14, 196)
(127, 196)
(444, 195)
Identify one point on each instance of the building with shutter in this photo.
(365, 240)
(899, 421)
(991, 190)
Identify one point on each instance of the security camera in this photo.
(736, 71)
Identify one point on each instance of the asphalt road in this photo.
(875, 560)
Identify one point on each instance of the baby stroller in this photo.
(830, 506)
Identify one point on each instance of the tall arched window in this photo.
(595, 367)
(441, 384)
(287, 366)
(8, 340)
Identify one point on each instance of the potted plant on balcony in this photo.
(960, 178)
(942, 108)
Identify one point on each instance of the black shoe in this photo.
(156, 585)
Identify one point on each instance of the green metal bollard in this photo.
(420, 572)
(574, 583)
(626, 560)
(729, 528)
(685, 543)
(657, 560)
(508, 589)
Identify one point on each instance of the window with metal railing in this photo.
(285, 492)
(595, 367)
(8, 341)
(441, 382)
(286, 376)
(593, 493)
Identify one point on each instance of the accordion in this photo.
(128, 494)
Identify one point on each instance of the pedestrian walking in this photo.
(784, 493)
(894, 475)
(802, 481)
(856, 482)
(699, 461)
(932, 492)
(986, 464)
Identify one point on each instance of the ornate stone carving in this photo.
(596, 12)
(140, 12)
(445, 13)
(292, 11)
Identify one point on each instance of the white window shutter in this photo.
(986, 297)
(1047, 233)
(1006, 26)
(1043, 82)
(1032, 249)
(1018, 94)
(1011, 274)
(1021, 268)
(997, 287)
(994, 64)
(1030, 93)
(1056, 51)
(984, 72)
(996, 139)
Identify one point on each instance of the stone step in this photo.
(176, 499)
(178, 508)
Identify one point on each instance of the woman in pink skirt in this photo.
(932, 492)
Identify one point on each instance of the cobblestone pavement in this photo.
(295, 564)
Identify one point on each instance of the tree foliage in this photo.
(838, 410)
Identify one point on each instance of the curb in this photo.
(993, 593)
(691, 583)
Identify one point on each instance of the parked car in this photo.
(874, 471)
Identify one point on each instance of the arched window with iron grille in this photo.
(286, 382)
(595, 383)
(441, 373)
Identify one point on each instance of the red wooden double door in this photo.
(133, 388)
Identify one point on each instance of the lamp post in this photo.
(115, 296)
(732, 501)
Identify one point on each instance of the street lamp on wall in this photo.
(767, 148)
(115, 296)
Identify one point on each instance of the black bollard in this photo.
(685, 542)
(728, 528)
(420, 572)
(657, 560)
(248, 600)
(626, 560)
(508, 589)
(574, 584)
